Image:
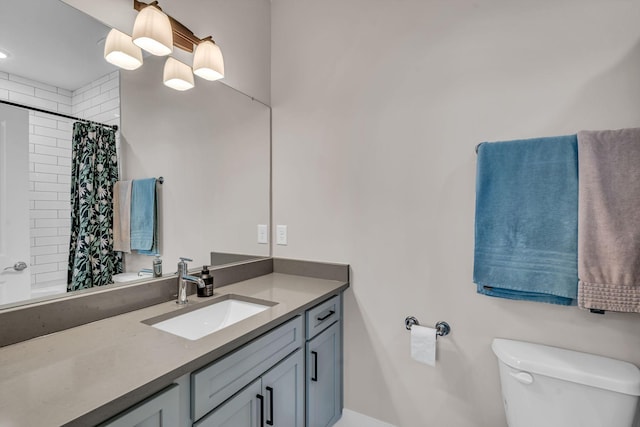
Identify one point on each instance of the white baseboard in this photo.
(355, 419)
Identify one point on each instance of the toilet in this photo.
(546, 386)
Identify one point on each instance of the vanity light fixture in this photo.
(119, 50)
(207, 60)
(152, 31)
(177, 75)
(158, 33)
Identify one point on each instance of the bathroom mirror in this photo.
(211, 144)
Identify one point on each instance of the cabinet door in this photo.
(324, 378)
(245, 409)
(157, 411)
(283, 391)
(215, 383)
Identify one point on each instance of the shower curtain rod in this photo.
(40, 110)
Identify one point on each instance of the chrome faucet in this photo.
(184, 278)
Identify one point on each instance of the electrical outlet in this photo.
(263, 233)
(281, 234)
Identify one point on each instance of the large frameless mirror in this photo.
(211, 145)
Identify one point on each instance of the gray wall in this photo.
(211, 144)
(377, 107)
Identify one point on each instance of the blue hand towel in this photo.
(144, 227)
(526, 231)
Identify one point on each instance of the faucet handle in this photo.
(182, 266)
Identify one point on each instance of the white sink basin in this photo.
(128, 277)
(203, 321)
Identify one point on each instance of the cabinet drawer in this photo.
(322, 316)
(159, 410)
(212, 385)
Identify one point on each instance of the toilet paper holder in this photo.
(442, 328)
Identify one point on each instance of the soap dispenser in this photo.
(207, 278)
(157, 266)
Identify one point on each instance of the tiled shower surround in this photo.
(50, 165)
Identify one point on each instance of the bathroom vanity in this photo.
(280, 367)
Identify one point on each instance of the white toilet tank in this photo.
(546, 386)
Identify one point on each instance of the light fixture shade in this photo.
(152, 31)
(177, 75)
(207, 61)
(120, 51)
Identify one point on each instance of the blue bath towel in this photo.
(144, 227)
(526, 231)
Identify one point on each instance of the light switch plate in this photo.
(281, 235)
(263, 233)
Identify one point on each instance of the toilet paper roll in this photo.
(423, 344)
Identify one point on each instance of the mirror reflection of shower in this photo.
(49, 169)
(14, 204)
(73, 79)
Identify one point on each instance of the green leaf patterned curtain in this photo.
(94, 170)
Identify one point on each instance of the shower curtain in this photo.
(94, 171)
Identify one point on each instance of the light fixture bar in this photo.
(183, 37)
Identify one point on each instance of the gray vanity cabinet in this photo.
(243, 410)
(290, 376)
(324, 364)
(275, 399)
(160, 410)
(215, 383)
(283, 391)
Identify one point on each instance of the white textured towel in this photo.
(122, 216)
(423, 344)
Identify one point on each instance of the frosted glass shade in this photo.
(207, 61)
(120, 51)
(152, 31)
(177, 75)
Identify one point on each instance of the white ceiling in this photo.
(51, 42)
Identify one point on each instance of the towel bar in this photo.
(442, 328)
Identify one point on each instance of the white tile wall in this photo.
(50, 164)
(99, 101)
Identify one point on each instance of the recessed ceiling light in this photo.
(3, 55)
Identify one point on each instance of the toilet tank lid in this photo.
(582, 368)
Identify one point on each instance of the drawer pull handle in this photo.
(314, 377)
(261, 399)
(270, 421)
(323, 318)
